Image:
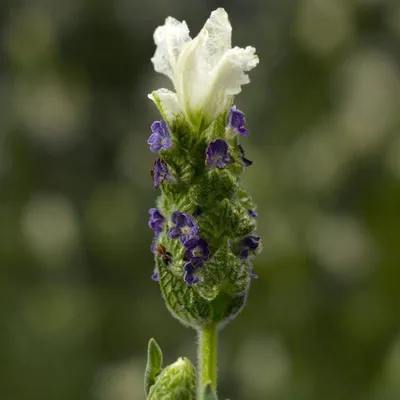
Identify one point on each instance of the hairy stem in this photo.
(207, 355)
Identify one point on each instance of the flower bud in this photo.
(176, 382)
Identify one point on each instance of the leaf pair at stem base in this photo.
(175, 382)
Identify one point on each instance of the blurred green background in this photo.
(77, 305)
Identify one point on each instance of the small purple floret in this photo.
(184, 228)
(237, 122)
(253, 275)
(249, 243)
(189, 277)
(217, 154)
(253, 213)
(154, 243)
(156, 221)
(154, 276)
(197, 251)
(160, 172)
(246, 162)
(160, 138)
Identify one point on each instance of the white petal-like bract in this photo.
(167, 103)
(170, 40)
(206, 71)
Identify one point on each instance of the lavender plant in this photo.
(205, 221)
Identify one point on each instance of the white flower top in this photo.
(206, 71)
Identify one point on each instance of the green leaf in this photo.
(208, 392)
(245, 199)
(224, 273)
(213, 187)
(241, 223)
(217, 128)
(226, 308)
(182, 301)
(154, 365)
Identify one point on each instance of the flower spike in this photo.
(205, 222)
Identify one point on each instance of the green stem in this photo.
(207, 355)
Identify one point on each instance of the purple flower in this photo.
(237, 122)
(189, 277)
(197, 251)
(184, 228)
(253, 213)
(253, 275)
(160, 173)
(160, 138)
(217, 154)
(154, 244)
(154, 276)
(245, 161)
(249, 243)
(156, 221)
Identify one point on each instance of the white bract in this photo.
(206, 71)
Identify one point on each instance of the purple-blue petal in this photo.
(154, 244)
(217, 154)
(194, 231)
(244, 254)
(196, 250)
(190, 270)
(198, 261)
(251, 242)
(153, 138)
(189, 267)
(156, 221)
(155, 146)
(237, 121)
(190, 279)
(174, 233)
(179, 219)
(253, 213)
(160, 172)
(253, 275)
(184, 229)
(247, 245)
(160, 138)
(154, 276)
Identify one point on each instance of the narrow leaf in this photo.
(208, 392)
(154, 365)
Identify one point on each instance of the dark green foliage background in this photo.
(77, 305)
